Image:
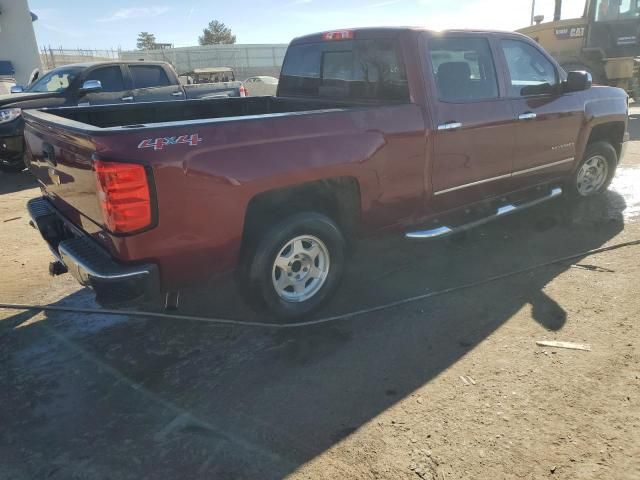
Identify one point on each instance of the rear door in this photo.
(474, 140)
(548, 119)
(152, 84)
(114, 86)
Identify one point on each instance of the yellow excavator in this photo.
(605, 41)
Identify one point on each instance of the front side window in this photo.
(109, 77)
(148, 76)
(54, 81)
(463, 69)
(530, 72)
(346, 69)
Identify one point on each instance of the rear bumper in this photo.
(89, 263)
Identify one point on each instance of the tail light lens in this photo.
(338, 35)
(123, 193)
(243, 91)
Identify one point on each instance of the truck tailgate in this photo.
(61, 160)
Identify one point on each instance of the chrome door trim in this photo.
(450, 126)
(542, 167)
(527, 116)
(503, 177)
(472, 184)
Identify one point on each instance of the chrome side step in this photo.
(444, 231)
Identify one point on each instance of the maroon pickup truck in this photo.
(372, 129)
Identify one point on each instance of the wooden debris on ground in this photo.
(568, 345)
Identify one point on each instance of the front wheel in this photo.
(296, 265)
(595, 173)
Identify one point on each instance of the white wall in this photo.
(246, 59)
(17, 38)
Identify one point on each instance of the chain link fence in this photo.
(56, 57)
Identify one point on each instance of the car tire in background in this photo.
(12, 166)
(596, 171)
(296, 265)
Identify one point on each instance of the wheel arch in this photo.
(339, 198)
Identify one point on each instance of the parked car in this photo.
(214, 82)
(86, 84)
(261, 85)
(372, 130)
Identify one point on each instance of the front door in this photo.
(548, 119)
(475, 137)
(151, 84)
(114, 89)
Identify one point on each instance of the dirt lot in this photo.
(377, 396)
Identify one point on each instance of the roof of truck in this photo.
(110, 62)
(382, 32)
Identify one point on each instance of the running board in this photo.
(505, 210)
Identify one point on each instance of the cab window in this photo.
(463, 69)
(347, 69)
(109, 77)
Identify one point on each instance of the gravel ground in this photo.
(451, 387)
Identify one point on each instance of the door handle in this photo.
(127, 99)
(177, 94)
(450, 126)
(527, 116)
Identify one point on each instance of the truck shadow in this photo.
(15, 182)
(175, 399)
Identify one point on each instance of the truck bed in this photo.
(138, 115)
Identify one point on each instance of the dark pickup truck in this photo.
(95, 83)
(372, 129)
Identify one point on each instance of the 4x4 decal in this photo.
(159, 143)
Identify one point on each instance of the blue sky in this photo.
(116, 23)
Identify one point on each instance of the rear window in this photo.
(347, 69)
(147, 76)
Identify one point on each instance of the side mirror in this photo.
(91, 86)
(17, 89)
(578, 81)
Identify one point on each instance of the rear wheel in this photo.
(296, 265)
(595, 173)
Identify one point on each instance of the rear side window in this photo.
(147, 76)
(110, 78)
(346, 69)
(463, 68)
(529, 70)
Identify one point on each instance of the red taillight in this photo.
(243, 91)
(338, 35)
(123, 193)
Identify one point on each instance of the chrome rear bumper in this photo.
(89, 263)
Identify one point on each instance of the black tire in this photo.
(596, 149)
(256, 277)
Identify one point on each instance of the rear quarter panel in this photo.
(203, 191)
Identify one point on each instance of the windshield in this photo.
(55, 81)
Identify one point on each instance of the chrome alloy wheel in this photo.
(593, 175)
(301, 268)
